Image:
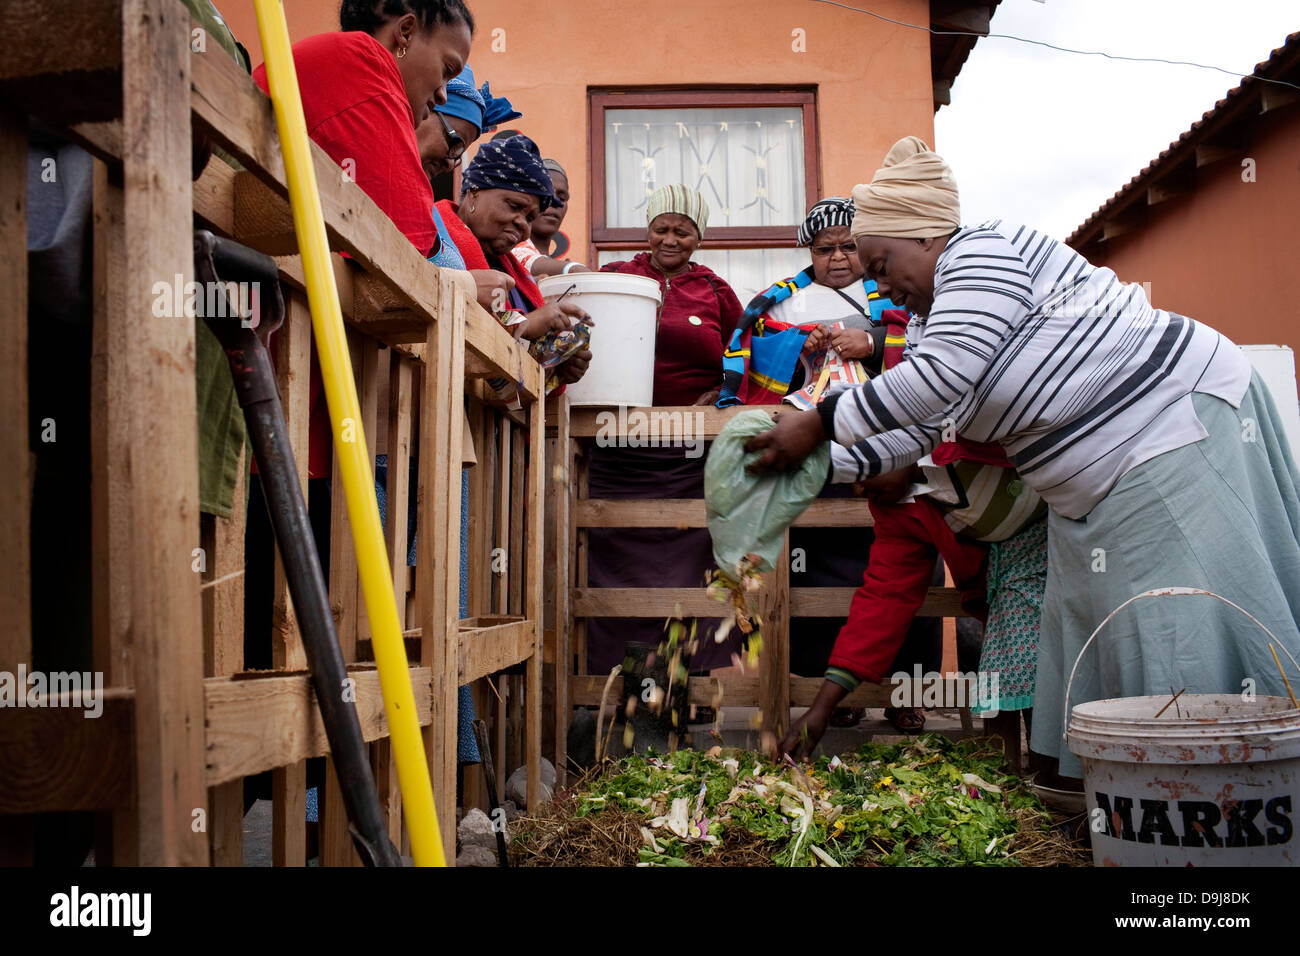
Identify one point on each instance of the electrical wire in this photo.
(1053, 46)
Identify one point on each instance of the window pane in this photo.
(747, 162)
(747, 271)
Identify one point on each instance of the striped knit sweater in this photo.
(1030, 345)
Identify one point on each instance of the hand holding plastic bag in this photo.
(748, 513)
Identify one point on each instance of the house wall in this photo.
(872, 78)
(1226, 253)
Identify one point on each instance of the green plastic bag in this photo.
(748, 513)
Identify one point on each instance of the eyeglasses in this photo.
(848, 248)
(455, 145)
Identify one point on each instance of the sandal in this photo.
(906, 720)
(847, 716)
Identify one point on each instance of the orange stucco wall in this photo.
(1227, 253)
(872, 78)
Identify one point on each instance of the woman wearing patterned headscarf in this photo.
(504, 189)
(1159, 452)
(830, 304)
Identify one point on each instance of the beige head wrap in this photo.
(912, 196)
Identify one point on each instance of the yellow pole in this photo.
(349, 440)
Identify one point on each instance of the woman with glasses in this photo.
(443, 138)
(830, 305)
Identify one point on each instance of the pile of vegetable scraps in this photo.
(928, 802)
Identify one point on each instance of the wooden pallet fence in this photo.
(184, 723)
(773, 689)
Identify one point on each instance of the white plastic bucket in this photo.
(624, 310)
(1213, 781)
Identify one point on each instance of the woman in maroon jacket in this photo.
(696, 320)
(699, 311)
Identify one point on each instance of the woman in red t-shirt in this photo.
(364, 91)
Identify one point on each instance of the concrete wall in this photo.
(872, 78)
(1227, 253)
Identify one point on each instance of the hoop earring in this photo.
(401, 52)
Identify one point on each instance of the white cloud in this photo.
(1045, 137)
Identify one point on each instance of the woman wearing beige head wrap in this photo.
(1112, 410)
(912, 196)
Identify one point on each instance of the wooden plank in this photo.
(556, 611)
(475, 534)
(685, 513)
(398, 489)
(578, 490)
(381, 313)
(16, 842)
(59, 758)
(77, 78)
(265, 722)
(116, 837)
(226, 823)
(438, 544)
(535, 513)
(774, 660)
(166, 614)
(343, 580)
(503, 572)
(694, 602)
(484, 651)
(515, 567)
(499, 700)
(834, 602)
(345, 597)
(484, 506)
(214, 198)
(293, 378)
(223, 645)
(368, 398)
(388, 787)
(102, 139)
(223, 583)
(289, 815)
(608, 424)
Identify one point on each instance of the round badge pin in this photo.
(695, 320)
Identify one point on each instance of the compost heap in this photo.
(929, 802)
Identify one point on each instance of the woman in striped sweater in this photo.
(1159, 452)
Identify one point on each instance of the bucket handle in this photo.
(1157, 592)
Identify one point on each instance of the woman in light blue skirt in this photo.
(1157, 449)
(1222, 514)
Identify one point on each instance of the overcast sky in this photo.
(1043, 137)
